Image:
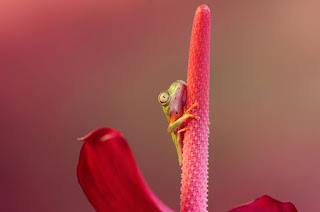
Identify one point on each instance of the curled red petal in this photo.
(109, 175)
(265, 204)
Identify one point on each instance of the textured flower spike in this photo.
(195, 145)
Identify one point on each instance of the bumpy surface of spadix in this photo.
(195, 150)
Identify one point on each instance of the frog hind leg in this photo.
(180, 143)
(177, 144)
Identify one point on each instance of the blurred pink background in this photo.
(68, 68)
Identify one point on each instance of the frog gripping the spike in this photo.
(173, 102)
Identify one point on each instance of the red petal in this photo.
(266, 204)
(109, 176)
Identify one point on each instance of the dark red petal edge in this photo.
(265, 204)
(109, 176)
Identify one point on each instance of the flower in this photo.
(109, 175)
(111, 180)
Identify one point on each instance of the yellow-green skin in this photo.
(174, 108)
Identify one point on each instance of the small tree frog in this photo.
(173, 103)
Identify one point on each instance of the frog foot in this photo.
(192, 106)
(191, 115)
(183, 130)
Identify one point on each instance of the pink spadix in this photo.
(195, 145)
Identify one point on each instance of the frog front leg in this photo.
(176, 124)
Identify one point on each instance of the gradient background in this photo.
(68, 68)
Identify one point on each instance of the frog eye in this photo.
(164, 97)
